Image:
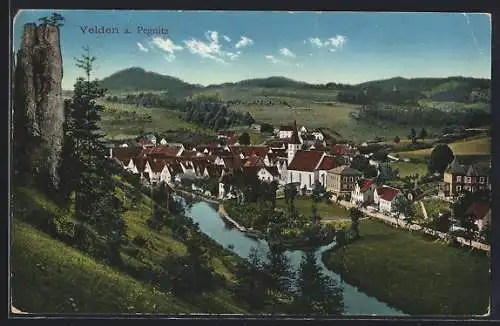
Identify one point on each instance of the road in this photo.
(416, 227)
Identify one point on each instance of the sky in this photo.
(211, 47)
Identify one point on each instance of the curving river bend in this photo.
(211, 223)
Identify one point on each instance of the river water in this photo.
(211, 223)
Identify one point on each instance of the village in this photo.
(299, 157)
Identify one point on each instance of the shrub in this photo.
(140, 241)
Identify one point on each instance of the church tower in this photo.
(295, 144)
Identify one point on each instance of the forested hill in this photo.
(138, 79)
(459, 89)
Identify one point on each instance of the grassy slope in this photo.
(419, 276)
(162, 120)
(407, 168)
(304, 205)
(481, 146)
(161, 245)
(67, 273)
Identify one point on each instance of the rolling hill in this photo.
(437, 89)
(138, 79)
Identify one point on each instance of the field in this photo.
(478, 147)
(335, 117)
(417, 275)
(69, 273)
(303, 205)
(407, 168)
(123, 121)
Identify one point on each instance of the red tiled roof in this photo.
(327, 163)
(248, 151)
(140, 163)
(338, 150)
(254, 160)
(305, 161)
(273, 170)
(214, 170)
(232, 162)
(189, 153)
(365, 184)
(277, 144)
(163, 150)
(156, 165)
(387, 193)
(478, 210)
(174, 168)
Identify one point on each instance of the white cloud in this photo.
(333, 43)
(166, 45)
(244, 41)
(287, 53)
(212, 49)
(212, 36)
(316, 42)
(272, 58)
(299, 65)
(141, 47)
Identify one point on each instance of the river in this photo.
(211, 223)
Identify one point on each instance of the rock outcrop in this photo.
(38, 103)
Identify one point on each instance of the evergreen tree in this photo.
(278, 271)
(250, 284)
(96, 204)
(316, 293)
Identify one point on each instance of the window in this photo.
(481, 179)
(310, 180)
(350, 179)
(459, 178)
(459, 188)
(467, 179)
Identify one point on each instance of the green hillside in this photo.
(438, 89)
(136, 79)
(48, 276)
(47, 272)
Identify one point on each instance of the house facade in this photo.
(342, 180)
(384, 198)
(458, 178)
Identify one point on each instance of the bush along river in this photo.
(212, 224)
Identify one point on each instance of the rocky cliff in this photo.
(38, 103)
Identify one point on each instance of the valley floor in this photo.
(414, 273)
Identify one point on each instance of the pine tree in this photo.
(250, 285)
(278, 271)
(316, 293)
(89, 171)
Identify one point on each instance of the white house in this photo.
(384, 197)
(155, 168)
(363, 192)
(303, 130)
(163, 141)
(285, 132)
(268, 174)
(318, 135)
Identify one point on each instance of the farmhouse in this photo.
(384, 197)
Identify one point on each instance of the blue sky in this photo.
(213, 47)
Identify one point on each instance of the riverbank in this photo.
(197, 196)
(414, 274)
